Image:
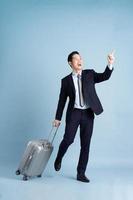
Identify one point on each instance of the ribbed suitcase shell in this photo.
(35, 158)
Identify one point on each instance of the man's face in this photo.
(76, 63)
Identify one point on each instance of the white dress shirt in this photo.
(77, 104)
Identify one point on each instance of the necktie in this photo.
(81, 100)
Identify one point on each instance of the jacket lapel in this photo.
(71, 83)
(83, 81)
(83, 78)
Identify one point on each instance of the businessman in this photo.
(83, 104)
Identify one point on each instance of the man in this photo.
(79, 86)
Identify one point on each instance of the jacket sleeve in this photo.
(61, 101)
(99, 77)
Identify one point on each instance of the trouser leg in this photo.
(70, 132)
(86, 129)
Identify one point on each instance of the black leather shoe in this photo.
(82, 178)
(57, 165)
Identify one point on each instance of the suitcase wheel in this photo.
(18, 172)
(39, 176)
(25, 178)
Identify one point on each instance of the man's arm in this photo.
(99, 77)
(61, 104)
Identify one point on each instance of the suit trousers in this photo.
(84, 120)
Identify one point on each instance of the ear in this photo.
(70, 63)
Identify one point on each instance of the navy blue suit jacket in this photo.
(89, 78)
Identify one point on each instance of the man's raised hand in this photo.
(111, 58)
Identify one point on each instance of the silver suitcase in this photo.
(35, 157)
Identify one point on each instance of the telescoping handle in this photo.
(56, 129)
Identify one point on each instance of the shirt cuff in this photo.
(110, 66)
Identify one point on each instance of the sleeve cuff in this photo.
(110, 66)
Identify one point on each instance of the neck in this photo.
(78, 71)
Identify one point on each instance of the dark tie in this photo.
(81, 100)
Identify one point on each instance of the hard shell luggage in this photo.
(35, 157)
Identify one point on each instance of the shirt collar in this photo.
(75, 73)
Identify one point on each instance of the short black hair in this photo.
(70, 56)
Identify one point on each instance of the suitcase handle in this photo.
(53, 135)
